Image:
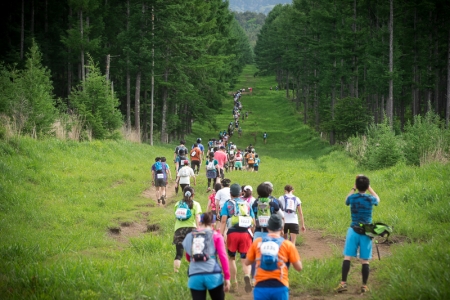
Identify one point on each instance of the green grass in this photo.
(58, 199)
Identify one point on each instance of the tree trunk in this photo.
(436, 69)
(86, 68)
(415, 89)
(46, 17)
(389, 104)
(447, 112)
(137, 104)
(305, 113)
(32, 18)
(83, 74)
(333, 101)
(287, 84)
(153, 76)
(69, 64)
(22, 30)
(128, 75)
(164, 135)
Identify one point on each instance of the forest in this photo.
(153, 65)
(252, 23)
(350, 63)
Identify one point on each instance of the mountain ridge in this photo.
(259, 6)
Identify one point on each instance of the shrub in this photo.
(383, 147)
(425, 139)
(96, 105)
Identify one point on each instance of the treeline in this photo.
(182, 56)
(252, 23)
(348, 63)
(260, 6)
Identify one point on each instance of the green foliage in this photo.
(27, 96)
(383, 147)
(423, 136)
(96, 105)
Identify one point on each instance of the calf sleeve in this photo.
(365, 273)
(345, 270)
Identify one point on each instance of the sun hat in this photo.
(247, 187)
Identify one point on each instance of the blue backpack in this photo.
(269, 249)
(158, 167)
(183, 212)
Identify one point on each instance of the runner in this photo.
(196, 158)
(158, 180)
(272, 256)
(223, 195)
(202, 246)
(292, 212)
(184, 176)
(231, 156)
(187, 214)
(240, 218)
(240, 131)
(167, 175)
(212, 169)
(247, 195)
(221, 158)
(177, 150)
(238, 160)
(361, 207)
(202, 148)
(250, 160)
(256, 164)
(179, 162)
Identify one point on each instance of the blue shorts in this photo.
(271, 293)
(204, 282)
(355, 240)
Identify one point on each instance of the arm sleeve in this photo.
(220, 248)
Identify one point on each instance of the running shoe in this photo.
(248, 285)
(208, 190)
(364, 289)
(163, 199)
(159, 200)
(342, 287)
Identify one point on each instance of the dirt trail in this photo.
(315, 245)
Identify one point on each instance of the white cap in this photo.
(247, 187)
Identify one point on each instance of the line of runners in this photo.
(257, 229)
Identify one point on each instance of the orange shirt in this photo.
(287, 250)
(197, 153)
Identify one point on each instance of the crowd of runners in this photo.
(257, 227)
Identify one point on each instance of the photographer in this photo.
(361, 206)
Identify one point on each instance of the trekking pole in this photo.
(378, 251)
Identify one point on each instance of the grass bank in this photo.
(59, 199)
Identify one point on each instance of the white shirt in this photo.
(223, 195)
(290, 218)
(183, 171)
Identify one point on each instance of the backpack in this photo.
(373, 230)
(210, 166)
(184, 172)
(251, 158)
(201, 241)
(269, 248)
(158, 167)
(290, 204)
(183, 212)
(240, 215)
(263, 213)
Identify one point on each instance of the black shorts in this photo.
(160, 182)
(255, 168)
(292, 228)
(195, 163)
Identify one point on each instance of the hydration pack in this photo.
(290, 204)
(240, 214)
(269, 249)
(201, 241)
(183, 212)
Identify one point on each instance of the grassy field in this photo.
(59, 200)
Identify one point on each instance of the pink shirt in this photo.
(221, 158)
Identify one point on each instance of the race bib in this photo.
(160, 176)
(181, 213)
(245, 221)
(198, 244)
(193, 153)
(263, 221)
(269, 248)
(290, 205)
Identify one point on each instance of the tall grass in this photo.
(58, 199)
